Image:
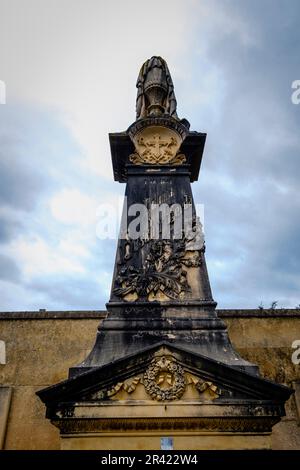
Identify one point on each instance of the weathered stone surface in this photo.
(160, 288)
(240, 403)
(262, 340)
(186, 441)
(35, 342)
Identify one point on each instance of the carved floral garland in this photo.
(163, 271)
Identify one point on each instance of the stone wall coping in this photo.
(259, 313)
(54, 315)
(101, 314)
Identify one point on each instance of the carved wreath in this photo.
(164, 372)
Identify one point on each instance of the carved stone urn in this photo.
(155, 87)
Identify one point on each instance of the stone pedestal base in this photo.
(152, 441)
(165, 392)
(142, 425)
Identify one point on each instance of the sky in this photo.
(70, 68)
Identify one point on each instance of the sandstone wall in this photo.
(41, 346)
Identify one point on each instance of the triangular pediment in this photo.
(164, 373)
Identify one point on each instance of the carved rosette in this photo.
(164, 379)
(157, 141)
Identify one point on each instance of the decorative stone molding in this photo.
(157, 141)
(162, 272)
(128, 386)
(161, 121)
(204, 386)
(163, 158)
(157, 146)
(202, 424)
(164, 379)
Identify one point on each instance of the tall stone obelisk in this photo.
(162, 361)
(160, 288)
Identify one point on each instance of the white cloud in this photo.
(82, 58)
(71, 206)
(37, 258)
(72, 247)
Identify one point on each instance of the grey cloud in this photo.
(69, 292)
(37, 155)
(9, 271)
(21, 178)
(82, 290)
(18, 187)
(9, 228)
(250, 174)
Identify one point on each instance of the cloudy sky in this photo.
(70, 68)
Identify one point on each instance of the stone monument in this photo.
(162, 365)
